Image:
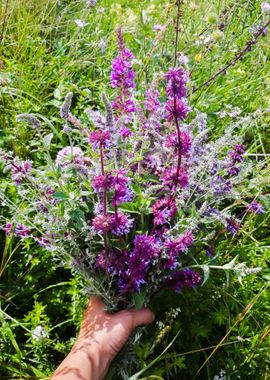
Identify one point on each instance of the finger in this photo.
(142, 317)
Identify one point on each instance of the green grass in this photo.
(43, 55)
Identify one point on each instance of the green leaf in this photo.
(206, 272)
(61, 195)
(136, 375)
(47, 140)
(130, 207)
(76, 218)
(137, 190)
(138, 298)
(231, 264)
(38, 373)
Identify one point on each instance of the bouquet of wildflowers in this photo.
(138, 198)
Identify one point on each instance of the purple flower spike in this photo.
(122, 77)
(121, 224)
(100, 138)
(185, 142)
(162, 212)
(102, 182)
(102, 223)
(146, 248)
(176, 83)
(255, 207)
(176, 109)
(125, 132)
(170, 179)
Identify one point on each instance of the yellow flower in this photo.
(198, 57)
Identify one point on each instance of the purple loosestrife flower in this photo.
(125, 132)
(120, 180)
(122, 193)
(146, 247)
(169, 178)
(123, 196)
(175, 247)
(21, 230)
(102, 223)
(113, 262)
(8, 229)
(176, 82)
(102, 182)
(131, 281)
(120, 224)
(122, 76)
(181, 244)
(185, 143)
(255, 207)
(20, 170)
(185, 277)
(176, 109)
(163, 212)
(100, 138)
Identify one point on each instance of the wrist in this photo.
(97, 355)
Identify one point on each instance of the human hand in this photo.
(101, 337)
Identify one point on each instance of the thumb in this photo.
(141, 317)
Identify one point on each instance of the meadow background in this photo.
(49, 48)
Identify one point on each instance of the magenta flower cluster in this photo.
(133, 269)
(176, 106)
(118, 224)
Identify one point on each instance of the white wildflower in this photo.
(265, 7)
(39, 333)
(183, 59)
(81, 23)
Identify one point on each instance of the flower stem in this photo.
(115, 211)
(177, 31)
(105, 236)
